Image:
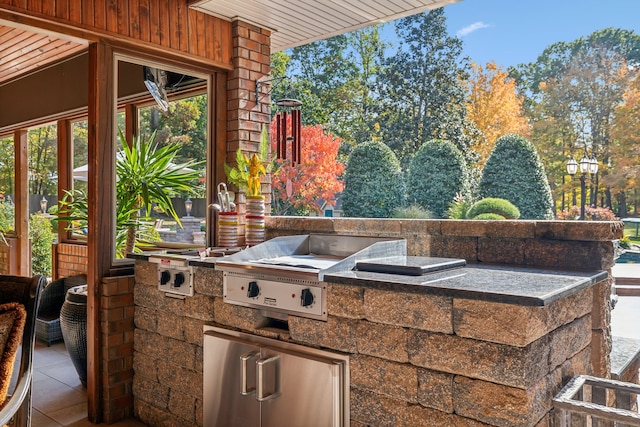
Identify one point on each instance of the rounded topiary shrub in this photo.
(489, 216)
(514, 172)
(436, 174)
(374, 185)
(504, 209)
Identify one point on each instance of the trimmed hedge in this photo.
(374, 184)
(436, 174)
(504, 209)
(514, 172)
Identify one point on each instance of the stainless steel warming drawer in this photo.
(256, 381)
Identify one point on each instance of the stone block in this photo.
(385, 341)
(235, 316)
(345, 301)
(147, 296)
(182, 406)
(336, 333)
(146, 318)
(501, 250)
(180, 379)
(149, 343)
(494, 229)
(576, 255)
(181, 353)
(416, 311)
(500, 405)
(200, 307)
(601, 345)
(455, 247)
(151, 392)
(193, 330)
(500, 323)
(435, 390)
(519, 367)
(207, 281)
(395, 380)
(579, 230)
(601, 308)
(199, 414)
(152, 416)
(146, 273)
(579, 364)
(145, 367)
(170, 325)
(569, 340)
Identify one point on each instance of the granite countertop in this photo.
(504, 284)
(508, 284)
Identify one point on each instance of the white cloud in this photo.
(471, 28)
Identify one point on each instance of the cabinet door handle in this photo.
(262, 394)
(245, 390)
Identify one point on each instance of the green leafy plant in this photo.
(412, 212)
(458, 208)
(494, 207)
(41, 235)
(146, 178)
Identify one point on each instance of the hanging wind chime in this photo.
(291, 108)
(288, 109)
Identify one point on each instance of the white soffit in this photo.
(294, 23)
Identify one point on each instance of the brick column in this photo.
(245, 114)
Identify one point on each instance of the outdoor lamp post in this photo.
(586, 165)
(43, 205)
(188, 205)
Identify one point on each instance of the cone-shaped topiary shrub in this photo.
(514, 172)
(436, 174)
(374, 185)
(501, 208)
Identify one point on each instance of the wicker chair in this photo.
(16, 410)
(48, 319)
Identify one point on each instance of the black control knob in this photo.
(306, 298)
(165, 276)
(179, 280)
(253, 290)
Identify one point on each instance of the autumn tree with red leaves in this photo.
(299, 189)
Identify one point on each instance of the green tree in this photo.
(7, 166)
(514, 172)
(374, 185)
(41, 236)
(436, 174)
(43, 159)
(573, 89)
(420, 88)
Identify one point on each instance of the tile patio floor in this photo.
(58, 396)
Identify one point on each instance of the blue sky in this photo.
(511, 32)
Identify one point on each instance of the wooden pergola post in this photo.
(21, 202)
(101, 193)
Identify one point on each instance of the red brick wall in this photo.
(245, 114)
(116, 337)
(69, 260)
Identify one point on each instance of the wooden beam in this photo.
(21, 202)
(101, 192)
(65, 166)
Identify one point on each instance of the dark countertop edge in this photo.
(475, 294)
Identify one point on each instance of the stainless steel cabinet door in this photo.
(229, 398)
(299, 390)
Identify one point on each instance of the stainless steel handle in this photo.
(261, 394)
(244, 389)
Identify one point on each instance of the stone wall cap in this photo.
(509, 285)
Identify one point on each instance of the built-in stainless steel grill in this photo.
(284, 275)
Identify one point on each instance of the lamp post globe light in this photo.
(587, 166)
(43, 205)
(188, 205)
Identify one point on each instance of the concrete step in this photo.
(627, 290)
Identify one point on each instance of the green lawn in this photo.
(630, 232)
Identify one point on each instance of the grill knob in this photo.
(179, 280)
(165, 276)
(306, 298)
(253, 290)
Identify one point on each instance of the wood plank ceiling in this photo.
(23, 50)
(294, 23)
